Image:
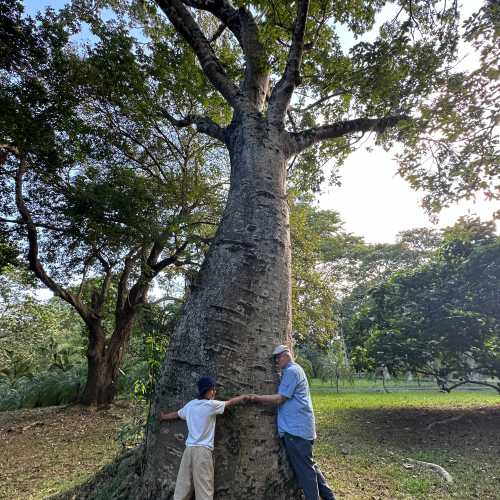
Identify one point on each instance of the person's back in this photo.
(200, 415)
(295, 414)
(196, 472)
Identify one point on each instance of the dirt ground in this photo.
(362, 447)
(46, 450)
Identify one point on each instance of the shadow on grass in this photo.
(364, 452)
(407, 429)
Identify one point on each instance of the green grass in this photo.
(364, 439)
(392, 385)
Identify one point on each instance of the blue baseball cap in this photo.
(204, 384)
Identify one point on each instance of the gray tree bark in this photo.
(240, 305)
(238, 310)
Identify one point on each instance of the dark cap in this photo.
(204, 384)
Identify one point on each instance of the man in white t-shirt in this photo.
(196, 472)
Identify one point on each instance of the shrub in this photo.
(44, 389)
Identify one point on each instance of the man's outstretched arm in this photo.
(270, 399)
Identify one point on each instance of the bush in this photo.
(131, 374)
(45, 389)
(306, 366)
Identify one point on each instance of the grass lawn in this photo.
(391, 385)
(364, 439)
(362, 445)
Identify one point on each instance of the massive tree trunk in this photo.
(104, 359)
(238, 310)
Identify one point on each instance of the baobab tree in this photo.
(274, 85)
(240, 303)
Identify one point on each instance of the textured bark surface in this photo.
(238, 310)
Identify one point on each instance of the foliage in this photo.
(354, 267)
(330, 363)
(48, 388)
(306, 366)
(35, 335)
(441, 318)
(402, 62)
(460, 123)
(155, 327)
(312, 299)
(8, 254)
(97, 186)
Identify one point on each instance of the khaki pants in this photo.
(196, 473)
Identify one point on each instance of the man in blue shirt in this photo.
(296, 425)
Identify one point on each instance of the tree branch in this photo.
(98, 298)
(36, 224)
(306, 138)
(242, 24)
(184, 23)
(218, 33)
(203, 124)
(34, 262)
(172, 259)
(282, 93)
(337, 93)
(222, 10)
(121, 294)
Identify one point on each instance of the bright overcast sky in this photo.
(373, 201)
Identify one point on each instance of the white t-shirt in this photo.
(200, 417)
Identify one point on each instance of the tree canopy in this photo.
(441, 318)
(96, 182)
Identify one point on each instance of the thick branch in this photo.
(202, 123)
(242, 24)
(98, 298)
(184, 23)
(36, 224)
(171, 259)
(477, 382)
(256, 82)
(222, 10)
(122, 292)
(34, 262)
(218, 33)
(282, 93)
(307, 138)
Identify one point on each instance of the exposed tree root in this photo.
(445, 421)
(436, 468)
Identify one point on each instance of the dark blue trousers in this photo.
(309, 475)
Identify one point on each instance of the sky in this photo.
(373, 201)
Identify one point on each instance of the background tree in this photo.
(442, 318)
(97, 184)
(354, 267)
